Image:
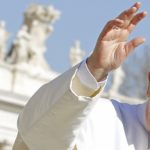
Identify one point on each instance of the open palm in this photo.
(112, 47)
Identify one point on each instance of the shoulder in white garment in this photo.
(112, 125)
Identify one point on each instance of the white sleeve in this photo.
(87, 78)
(53, 116)
(84, 83)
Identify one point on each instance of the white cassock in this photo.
(65, 115)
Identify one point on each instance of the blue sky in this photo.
(80, 20)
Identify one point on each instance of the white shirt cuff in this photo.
(87, 78)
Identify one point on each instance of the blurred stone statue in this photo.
(117, 80)
(19, 51)
(3, 38)
(76, 54)
(128, 80)
(135, 75)
(30, 44)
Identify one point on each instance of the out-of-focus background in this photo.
(40, 39)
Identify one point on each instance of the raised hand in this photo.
(112, 47)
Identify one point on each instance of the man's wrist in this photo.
(100, 74)
(86, 77)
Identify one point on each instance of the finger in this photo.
(110, 25)
(136, 19)
(131, 45)
(127, 14)
(115, 23)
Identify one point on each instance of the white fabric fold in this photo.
(87, 78)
